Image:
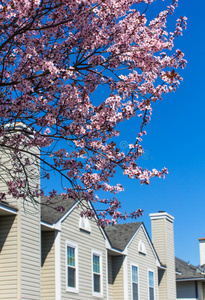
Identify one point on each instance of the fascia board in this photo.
(56, 226)
(108, 245)
(67, 213)
(8, 209)
(190, 279)
(149, 241)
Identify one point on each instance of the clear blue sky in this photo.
(176, 140)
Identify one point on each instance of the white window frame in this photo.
(69, 288)
(96, 294)
(151, 270)
(135, 265)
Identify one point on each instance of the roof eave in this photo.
(191, 279)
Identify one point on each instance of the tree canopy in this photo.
(54, 55)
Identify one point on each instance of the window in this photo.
(151, 285)
(135, 291)
(71, 267)
(97, 273)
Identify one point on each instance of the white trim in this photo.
(164, 268)
(151, 270)
(106, 258)
(138, 283)
(67, 213)
(97, 253)
(124, 252)
(58, 223)
(68, 288)
(8, 209)
(57, 265)
(161, 215)
(178, 273)
(125, 278)
(148, 239)
(133, 237)
(190, 279)
(56, 226)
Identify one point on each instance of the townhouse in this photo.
(45, 254)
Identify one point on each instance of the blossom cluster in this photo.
(54, 54)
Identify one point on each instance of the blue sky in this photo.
(176, 140)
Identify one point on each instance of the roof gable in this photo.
(49, 213)
(120, 235)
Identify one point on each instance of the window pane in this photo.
(71, 277)
(151, 279)
(135, 291)
(71, 256)
(96, 279)
(134, 274)
(96, 264)
(151, 293)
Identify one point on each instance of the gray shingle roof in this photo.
(49, 212)
(119, 235)
(187, 270)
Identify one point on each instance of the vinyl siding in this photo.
(163, 239)
(86, 243)
(48, 265)
(8, 257)
(5, 162)
(110, 278)
(30, 253)
(144, 262)
(118, 287)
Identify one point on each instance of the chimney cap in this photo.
(201, 239)
(161, 215)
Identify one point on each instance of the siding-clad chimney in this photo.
(163, 240)
(21, 243)
(202, 251)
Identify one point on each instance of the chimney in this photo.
(163, 240)
(202, 251)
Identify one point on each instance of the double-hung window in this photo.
(71, 267)
(135, 283)
(151, 285)
(97, 273)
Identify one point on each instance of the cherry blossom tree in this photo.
(54, 55)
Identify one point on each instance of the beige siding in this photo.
(29, 238)
(118, 287)
(29, 252)
(110, 278)
(8, 257)
(144, 262)
(163, 239)
(86, 243)
(115, 277)
(48, 265)
(5, 162)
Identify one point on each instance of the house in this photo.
(45, 254)
(190, 280)
(74, 254)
